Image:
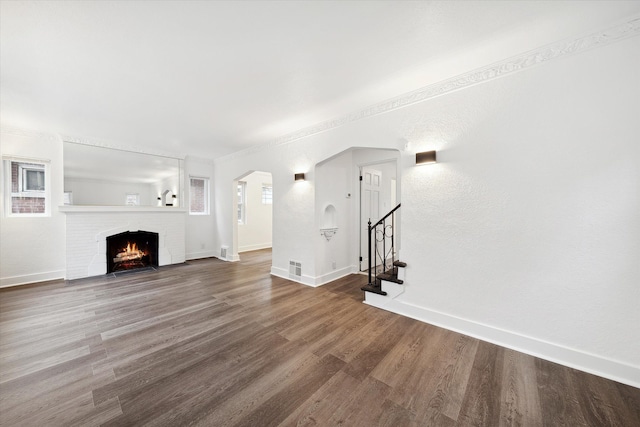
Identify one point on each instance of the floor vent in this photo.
(295, 268)
(223, 252)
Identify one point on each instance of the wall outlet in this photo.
(333, 265)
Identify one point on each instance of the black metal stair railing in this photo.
(381, 251)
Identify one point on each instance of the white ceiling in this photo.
(210, 78)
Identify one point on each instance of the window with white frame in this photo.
(242, 202)
(267, 194)
(132, 199)
(199, 196)
(26, 190)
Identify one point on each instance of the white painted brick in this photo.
(87, 232)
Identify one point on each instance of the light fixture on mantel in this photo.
(425, 157)
(299, 177)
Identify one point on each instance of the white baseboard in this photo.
(335, 275)
(254, 247)
(6, 282)
(591, 363)
(312, 281)
(281, 272)
(231, 258)
(203, 254)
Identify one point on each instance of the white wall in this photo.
(200, 229)
(526, 231)
(334, 180)
(529, 222)
(256, 232)
(33, 249)
(108, 193)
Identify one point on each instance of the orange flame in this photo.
(130, 252)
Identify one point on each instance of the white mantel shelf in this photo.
(115, 209)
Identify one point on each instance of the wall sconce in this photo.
(425, 157)
(299, 177)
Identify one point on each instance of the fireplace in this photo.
(132, 250)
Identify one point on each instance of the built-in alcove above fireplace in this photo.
(132, 250)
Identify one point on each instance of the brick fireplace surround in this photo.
(89, 226)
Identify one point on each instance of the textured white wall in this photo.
(530, 220)
(256, 232)
(526, 231)
(33, 249)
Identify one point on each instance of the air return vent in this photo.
(295, 268)
(223, 252)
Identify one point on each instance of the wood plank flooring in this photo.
(210, 343)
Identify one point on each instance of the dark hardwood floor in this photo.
(225, 344)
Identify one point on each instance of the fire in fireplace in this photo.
(132, 250)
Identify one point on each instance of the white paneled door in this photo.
(370, 188)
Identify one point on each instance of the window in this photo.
(27, 185)
(242, 202)
(199, 196)
(32, 177)
(267, 194)
(132, 199)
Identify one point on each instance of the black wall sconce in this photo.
(425, 157)
(299, 177)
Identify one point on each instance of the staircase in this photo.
(386, 273)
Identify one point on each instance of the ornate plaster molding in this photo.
(328, 233)
(623, 30)
(107, 144)
(12, 130)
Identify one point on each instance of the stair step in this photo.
(400, 264)
(390, 278)
(375, 289)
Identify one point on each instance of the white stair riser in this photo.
(392, 289)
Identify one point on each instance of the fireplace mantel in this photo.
(107, 209)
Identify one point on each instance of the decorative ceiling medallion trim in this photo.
(628, 28)
(106, 144)
(17, 131)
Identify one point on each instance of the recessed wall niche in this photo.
(329, 222)
(103, 176)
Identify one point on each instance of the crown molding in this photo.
(622, 30)
(17, 131)
(93, 142)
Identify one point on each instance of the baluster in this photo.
(369, 238)
(393, 216)
(384, 245)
